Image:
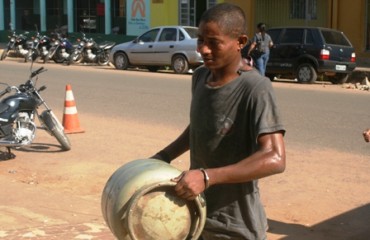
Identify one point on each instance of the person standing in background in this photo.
(259, 49)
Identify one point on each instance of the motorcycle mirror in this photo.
(42, 88)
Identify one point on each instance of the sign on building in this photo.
(138, 16)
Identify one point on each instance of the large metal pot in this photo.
(139, 203)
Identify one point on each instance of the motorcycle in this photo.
(17, 43)
(60, 50)
(18, 112)
(89, 51)
(41, 45)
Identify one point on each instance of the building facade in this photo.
(132, 17)
(129, 17)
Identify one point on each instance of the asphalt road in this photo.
(316, 116)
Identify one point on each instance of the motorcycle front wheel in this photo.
(45, 58)
(76, 57)
(57, 57)
(31, 55)
(103, 59)
(50, 54)
(4, 54)
(55, 128)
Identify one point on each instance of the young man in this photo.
(235, 135)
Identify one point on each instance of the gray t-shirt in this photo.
(225, 123)
(262, 42)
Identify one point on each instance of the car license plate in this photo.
(340, 67)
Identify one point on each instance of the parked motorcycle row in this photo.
(89, 51)
(57, 48)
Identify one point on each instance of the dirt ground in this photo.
(322, 195)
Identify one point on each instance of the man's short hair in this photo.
(229, 17)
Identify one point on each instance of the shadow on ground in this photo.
(352, 225)
(34, 147)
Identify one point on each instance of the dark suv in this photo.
(305, 53)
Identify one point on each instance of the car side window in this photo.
(181, 36)
(292, 36)
(309, 37)
(149, 36)
(168, 34)
(335, 38)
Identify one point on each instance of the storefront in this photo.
(99, 16)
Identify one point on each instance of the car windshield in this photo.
(335, 38)
(193, 32)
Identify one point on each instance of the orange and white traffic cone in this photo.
(71, 123)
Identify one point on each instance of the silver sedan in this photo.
(166, 46)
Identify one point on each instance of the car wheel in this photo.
(306, 73)
(339, 78)
(180, 64)
(121, 61)
(270, 76)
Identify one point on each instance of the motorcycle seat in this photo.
(106, 44)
